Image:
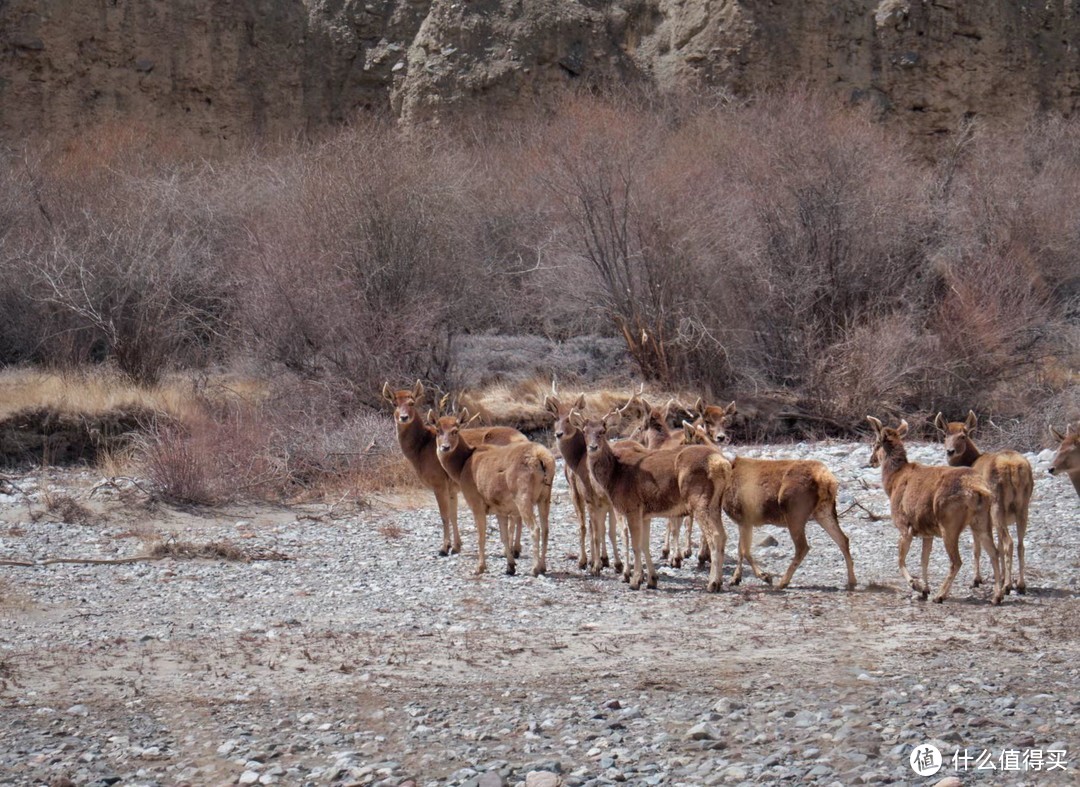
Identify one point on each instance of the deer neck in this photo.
(1074, 476)
(573, 449)
(895, 461)
(968, 458)
(602, 464)
(453, 461)
(415, 438)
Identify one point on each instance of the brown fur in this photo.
(652, 431)
(508, 481)
(1009, 476)
(417, 442)
(784, 492)
(1067, 458)
(928, 501)
(642, 484)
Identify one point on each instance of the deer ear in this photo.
(472, 418)
(430, 419)
(902, 430)
(689, 431)
(463, 416)
(874, 422)
(387, 394)
(1056, 434)
(699, 406)
(576, 419)
(971, 422)
(418, 391)
(730, 409)
(551, 404)
(580, 403)
(939, 422)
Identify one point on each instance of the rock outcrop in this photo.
(226, 70)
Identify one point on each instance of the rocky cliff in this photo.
(228, 69)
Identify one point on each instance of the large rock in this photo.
(223, 70)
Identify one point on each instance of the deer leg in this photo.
(746, 542)
(951, 537)
(627, 549)
(442, 499)
(666, 549)
(598, 545)
(505, 535)
(1021, 529)
(905, 544)
(689, 549)
(831, 524)
(480, 515)
(996, 564)
(613, 536)
(528, 516)
(704, 554)
(802, 548)
(927, 548)
(633, 524)
(515, 523)
(651, 577)
(712, 530)
(675, 554)
(579, 508)
(1005, 547)
(977, 554)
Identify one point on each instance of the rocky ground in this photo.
(367, 659)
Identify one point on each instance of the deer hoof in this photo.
(938, 598)
(676, 562)
(783, 584)
(537, 571)
(651, 584)
(635, 585)
(517, 552)
(713, 586)
(850, 586)
(976, 582)
(444, 552)
(996, 599)
(618, 566)
(664, 552)
(736, 579)
(605, 562)
(1021, 588)
(766, 578)
(687, 552)
(510, 569)
(582, 563)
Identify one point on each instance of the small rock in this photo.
(541, 779)
(768, 541)
(77, 710)
(490, 779)
(949, 781)
(703, 732)
(248, 777)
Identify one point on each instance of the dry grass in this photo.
(93, 391)
(211, 550)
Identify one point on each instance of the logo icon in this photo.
(925, 759)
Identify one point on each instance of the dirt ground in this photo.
(366, 659)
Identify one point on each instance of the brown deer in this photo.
(508, 481)
(417, 441)
(928, 501)
(642, 484)
(1067, 458)
(784, 492)
(653, 432)
(1009, 476)
(714, 419)
(586, 497)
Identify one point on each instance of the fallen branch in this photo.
(873, 517)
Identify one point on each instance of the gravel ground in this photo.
(366, 659)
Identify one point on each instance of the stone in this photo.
(541, 779)
(703, 732)
(248, 777)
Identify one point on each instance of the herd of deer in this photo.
(674, 474)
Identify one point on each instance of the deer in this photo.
(928, 501)
(1009, 476)
(715, 420)
(417, 442)
(509, 481)
(653, 432)
(784, 492)
(1067, 458)
(642, 484)
(584, 494)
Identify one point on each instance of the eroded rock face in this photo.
(276, 67)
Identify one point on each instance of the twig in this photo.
(873, 517)
(113, 483)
